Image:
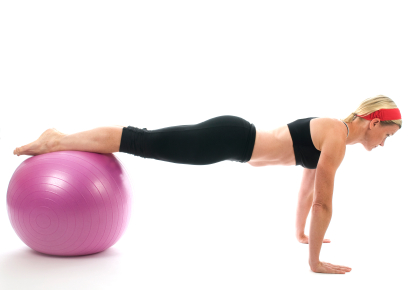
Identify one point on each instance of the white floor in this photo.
(213, 233)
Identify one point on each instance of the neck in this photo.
(355, 133)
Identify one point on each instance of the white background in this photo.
(76, 65)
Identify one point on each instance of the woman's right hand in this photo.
(323, 267)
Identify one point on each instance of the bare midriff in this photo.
(275, 147)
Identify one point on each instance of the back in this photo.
(277, 147)
(306, 153)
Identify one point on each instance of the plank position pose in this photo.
(317, 144)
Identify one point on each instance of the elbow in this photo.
(254, 163)
(317, 207)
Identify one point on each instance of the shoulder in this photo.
(323, 128)
(326, 123)
(332, 141)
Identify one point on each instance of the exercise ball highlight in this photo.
(69, 203)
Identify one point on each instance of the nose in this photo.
(382, 143)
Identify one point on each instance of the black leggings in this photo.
(217, 139)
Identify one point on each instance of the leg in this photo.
(99, 140)
(217, 139)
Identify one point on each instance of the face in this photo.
(377, 134)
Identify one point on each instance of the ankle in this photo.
(56, 144)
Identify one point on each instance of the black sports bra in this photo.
(306, 153)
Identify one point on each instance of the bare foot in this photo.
(47, 142)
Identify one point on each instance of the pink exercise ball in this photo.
(70, 203)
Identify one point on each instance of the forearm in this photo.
(321, 217)
(302, 212)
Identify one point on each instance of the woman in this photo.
(317, 144)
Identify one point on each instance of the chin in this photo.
(368, 148)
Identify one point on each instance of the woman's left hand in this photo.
(305, 240)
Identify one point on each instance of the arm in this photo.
(321, 213)
(333, 152)
(305, 198)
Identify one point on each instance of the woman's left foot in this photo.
(47, 142)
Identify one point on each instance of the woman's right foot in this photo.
(47, 142)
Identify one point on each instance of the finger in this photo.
(339, 272)
(343, 269)
(334, 271)
(339, 267)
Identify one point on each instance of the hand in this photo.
(304, 239)
(323, 267)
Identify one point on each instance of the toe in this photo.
(19, 151)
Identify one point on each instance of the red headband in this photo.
(384, 115)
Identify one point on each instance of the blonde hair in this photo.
(371, 105)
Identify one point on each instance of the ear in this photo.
(374, 122)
